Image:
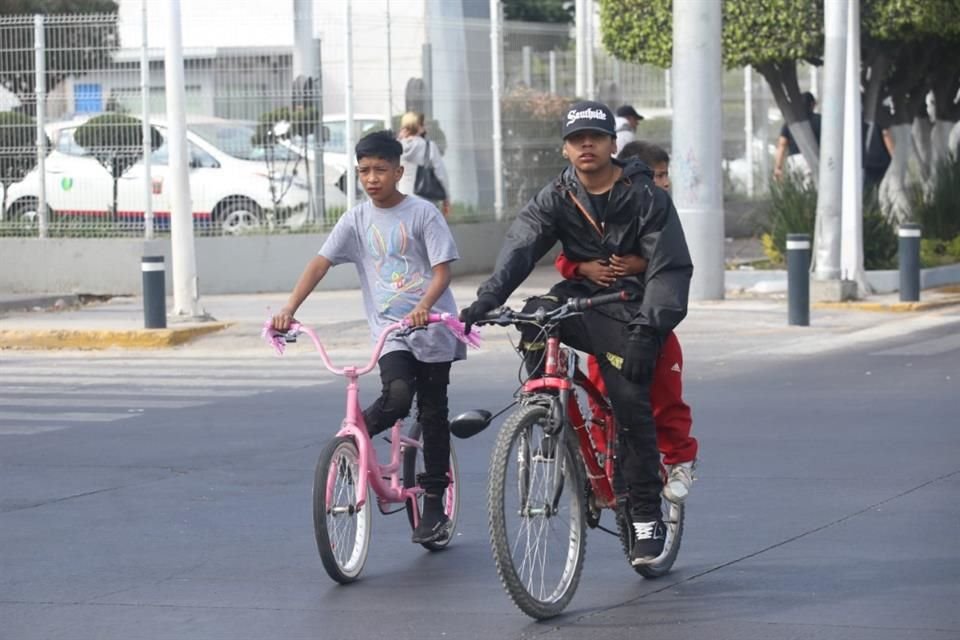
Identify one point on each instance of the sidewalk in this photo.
(64, 322)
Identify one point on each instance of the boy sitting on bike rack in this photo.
(402, 249)
(670, 413)
(598, 208)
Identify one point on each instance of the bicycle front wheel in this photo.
(413, 466)
(342, 529)
(536, 511)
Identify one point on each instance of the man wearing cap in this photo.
(600, 208)
(626, 125)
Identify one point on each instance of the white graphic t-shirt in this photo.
(394, 251)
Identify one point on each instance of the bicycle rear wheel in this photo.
(342, 529)
(412, 466)
(536, 512)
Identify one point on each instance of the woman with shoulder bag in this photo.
(424, 173)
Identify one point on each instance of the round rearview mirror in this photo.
(470, 423)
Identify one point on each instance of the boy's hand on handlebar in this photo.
(477, 310)
(418, 317)
(282, 320)
(628, 265)
(598, 272)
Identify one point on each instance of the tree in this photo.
(909, 50)
(71, 46)
(18, 151)
(771, 36)
(556, 11)
(116, 141)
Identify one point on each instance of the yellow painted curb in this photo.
(893, 306)
(106, 339)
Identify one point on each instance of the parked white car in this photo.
(230, 183)
(335, 156)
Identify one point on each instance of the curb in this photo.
(893, 306)
(100, 339)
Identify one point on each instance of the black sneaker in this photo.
(434, 524)
(648, 539)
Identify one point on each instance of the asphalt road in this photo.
(167, 495)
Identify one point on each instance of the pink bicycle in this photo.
(342, 517)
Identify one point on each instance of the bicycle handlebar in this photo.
(279, 339)
(506, 316)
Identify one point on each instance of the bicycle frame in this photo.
(563, 375)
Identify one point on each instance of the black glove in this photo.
(483, 305)
(639, 356)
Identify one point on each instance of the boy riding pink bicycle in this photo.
(402, 249)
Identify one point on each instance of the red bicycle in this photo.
(553, 473)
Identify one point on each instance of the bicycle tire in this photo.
(411, 457)
(671, 547)
(341, 529)
(518, 578)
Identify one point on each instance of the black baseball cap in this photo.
(627, 111)
(588, 116)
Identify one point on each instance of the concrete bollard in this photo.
(798, 279)
(154, 292)
(908, 255)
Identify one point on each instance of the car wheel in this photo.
(26, 213)
(239, 215)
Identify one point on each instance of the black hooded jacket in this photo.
(640, 219)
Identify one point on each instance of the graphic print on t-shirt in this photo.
(399, 285)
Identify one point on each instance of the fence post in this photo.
(909, 259)
(40, 93)
(496, 84)
(154, 292)
(527, 52)
(553, 72)
(798, 279)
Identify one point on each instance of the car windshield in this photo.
(337, 131)
(236, 140)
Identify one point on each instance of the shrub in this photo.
(793, 209)
(935, 252)
(116, 141)
(302, 122)
(532, 124)
(938, 213)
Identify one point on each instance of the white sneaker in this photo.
(678, 482)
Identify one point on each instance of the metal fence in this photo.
(81, 80)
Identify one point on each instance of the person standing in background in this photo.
(786, 145)
(413, 137)
(626, 122)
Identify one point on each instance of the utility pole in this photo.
(186, 288)
(851, 244)
(697, 142)
(827, 236)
